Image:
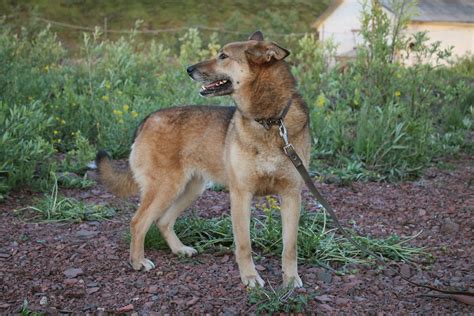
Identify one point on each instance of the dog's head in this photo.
(235, 65)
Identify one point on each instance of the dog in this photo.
(178, 150)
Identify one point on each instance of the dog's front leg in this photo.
(240, 211)
(290, 214)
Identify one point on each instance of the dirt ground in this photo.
(82, 267)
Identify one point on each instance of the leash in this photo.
(461, 296)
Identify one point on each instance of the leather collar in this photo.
(267, 123)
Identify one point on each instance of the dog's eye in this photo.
(222, 56)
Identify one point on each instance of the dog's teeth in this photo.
(203, 87)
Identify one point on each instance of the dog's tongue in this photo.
(212, 84)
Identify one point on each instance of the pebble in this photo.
(324, 276)
(73, 272)
(126, 308)
(44, 301)
(86, 234)
(449, 227)
(192, 301)
(405, 271)
(92, 290)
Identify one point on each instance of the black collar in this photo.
(267, 123)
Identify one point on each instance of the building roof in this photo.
(458, 11)
(454, 11)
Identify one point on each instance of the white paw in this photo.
(252, 280)
(144, 264)
(186, 251)
(292, 281)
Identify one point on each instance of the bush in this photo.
(24, 151)
(374, 118)
(387, 119)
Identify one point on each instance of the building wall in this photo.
(343, 26)
(460, 36)
(340, 26)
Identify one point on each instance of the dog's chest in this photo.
(268, 164)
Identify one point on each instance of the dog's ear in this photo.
(264, 53)
(257, 36)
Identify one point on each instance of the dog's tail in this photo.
(121, 183)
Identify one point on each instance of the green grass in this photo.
(376, 121)
(269, 300)
(318, 241)
(57, 208)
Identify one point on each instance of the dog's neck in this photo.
(268, 94)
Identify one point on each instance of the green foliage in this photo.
(376, 118)
(373, 119)
(55, 208)
(25, 153)
(317, 242)
(270, 301)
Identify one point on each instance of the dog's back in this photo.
(187, 139)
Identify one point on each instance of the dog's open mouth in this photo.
(218, 87)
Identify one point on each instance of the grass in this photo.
(318, 241)
(56, 208)
(270, 300)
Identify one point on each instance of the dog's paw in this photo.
(144, 264)
(252, 280)
(292, 281)
(186, 251)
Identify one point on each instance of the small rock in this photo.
(421, 212)
(4, 255)
(92, 290)
(139, 284)
(260, 267)
(152, 289)
(86, 234)
(73, 272)
(405, 271)
(225, 259)
(341, 301)
(449, 227)
(126, 308)
(324, 276)
(326, 307)
(192, 301)
(70, 281)
(44, 301)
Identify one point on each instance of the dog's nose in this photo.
(190, 70)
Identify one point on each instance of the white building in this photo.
(449, 21)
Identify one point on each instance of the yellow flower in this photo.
(117, 112)
(397, 94)
(134, 114)
(63, 122)
(321, 101)
(46, 68)
(107, 85)
(105, 98)
(121, 121)
(55, 132)
(125, 107)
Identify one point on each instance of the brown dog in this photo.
(177, 150)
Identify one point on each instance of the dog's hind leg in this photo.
(290, 215)
(155, 200)
(193, 190)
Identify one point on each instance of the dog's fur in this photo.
(177, 150)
